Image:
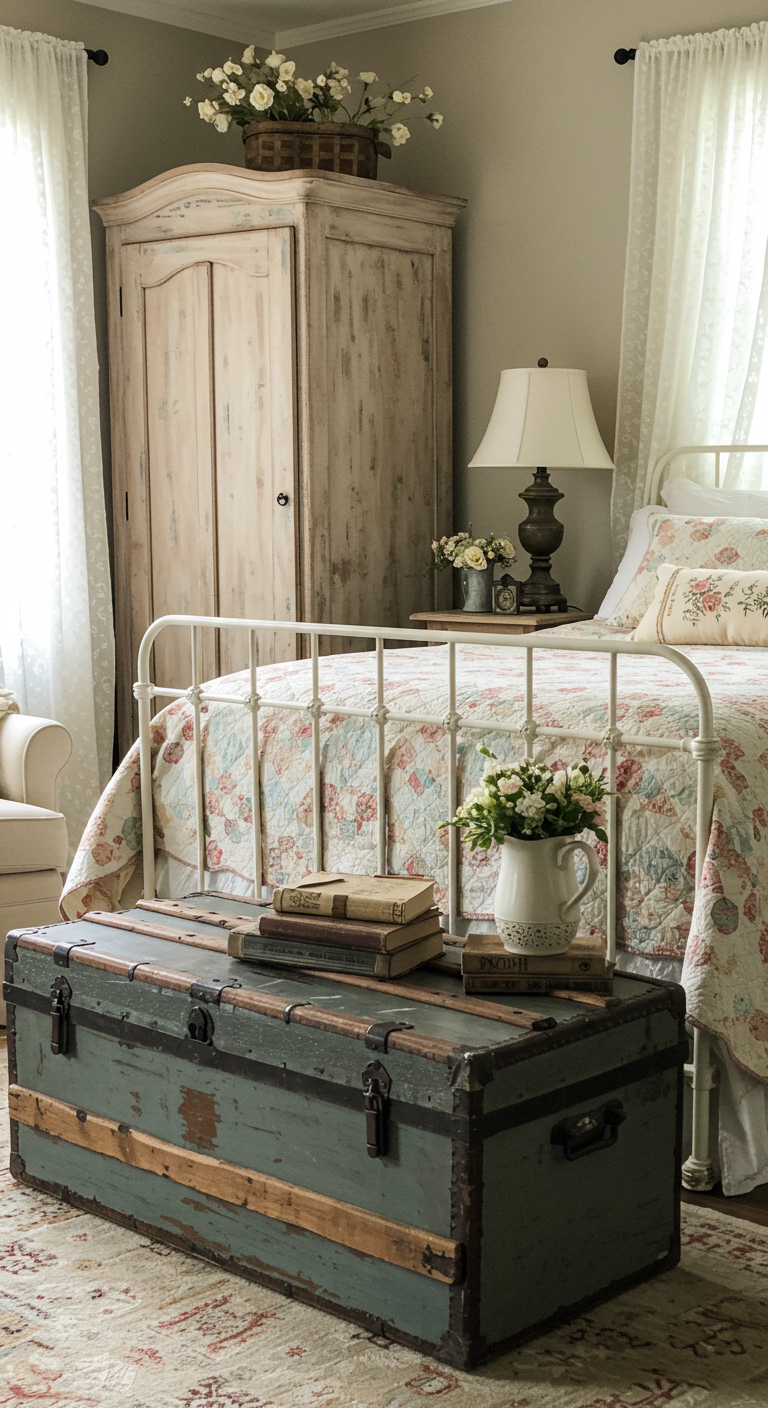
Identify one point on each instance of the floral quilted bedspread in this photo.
(724, 941)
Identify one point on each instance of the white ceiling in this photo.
(284, 22)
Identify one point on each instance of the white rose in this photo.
(249, 56)
(436, 118)
(275, 60)
(336, 90)
(305, 87)
(530, 804)
(406, 98)
(427, 93)
(287, 71)
(401, 134)
(262, 97)
(218, 75)
(200, 77)
(233, 94)
(321, 80)
(187, 102)
(222, 120)
(508, 784)
(229, 67)
(368, 78)
(397, 96)
(207, 110)
(208, 73)
(281, 87)
(473, 557)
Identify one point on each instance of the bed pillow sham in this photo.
(685, 496)
(695, 607)
(716, 543)
(637, 543)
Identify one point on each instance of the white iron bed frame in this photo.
(698, 1171)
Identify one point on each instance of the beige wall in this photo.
(137, 123)
(537, 137)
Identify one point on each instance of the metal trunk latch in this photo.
(61, 996)
(377, 1084)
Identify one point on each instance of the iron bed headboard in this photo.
(703, 748)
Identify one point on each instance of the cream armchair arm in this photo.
(32, 754)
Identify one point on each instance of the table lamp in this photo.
(543, 416)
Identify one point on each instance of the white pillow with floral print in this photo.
(739, 544)
(695, 607)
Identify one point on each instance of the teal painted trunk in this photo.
(447, 1179)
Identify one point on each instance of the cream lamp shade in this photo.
(542, 416)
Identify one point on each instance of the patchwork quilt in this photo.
(724, 940)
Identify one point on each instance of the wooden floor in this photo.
(750, 1207)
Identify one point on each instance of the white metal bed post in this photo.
(698, 1172)
(252, 703)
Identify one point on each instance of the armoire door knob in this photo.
(282, 499)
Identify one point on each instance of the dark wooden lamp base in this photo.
(541, 534)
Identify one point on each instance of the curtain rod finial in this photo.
(100, 57)
(623, 56)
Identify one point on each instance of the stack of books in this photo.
(487, 966)
(380, 926)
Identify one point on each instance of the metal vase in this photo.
(477, 589)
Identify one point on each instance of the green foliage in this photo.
(531, 801)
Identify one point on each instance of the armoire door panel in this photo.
(182, 508)
(381, 435)
(253, 397)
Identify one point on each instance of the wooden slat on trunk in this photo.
(365, 1232)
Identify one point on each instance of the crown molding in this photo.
(226, 24)
(377, 19)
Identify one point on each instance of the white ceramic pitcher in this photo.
(536, 905)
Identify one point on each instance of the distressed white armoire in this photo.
(280, 387)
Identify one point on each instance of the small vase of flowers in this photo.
(320, 123)
(535, 813)
(476, 559)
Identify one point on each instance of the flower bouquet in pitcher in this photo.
(535, 814)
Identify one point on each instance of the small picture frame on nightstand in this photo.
(506, 596)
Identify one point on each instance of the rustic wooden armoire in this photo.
(280, 385)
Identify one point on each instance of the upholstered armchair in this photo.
(33, 835)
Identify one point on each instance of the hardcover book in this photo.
(394, 899)
(347, 933)
(288, 953)
(503, 982)
(485, 953)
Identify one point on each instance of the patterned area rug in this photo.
(94, 1316)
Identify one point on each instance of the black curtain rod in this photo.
(623, 56)
(101, 57)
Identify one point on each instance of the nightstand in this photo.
(498, 623)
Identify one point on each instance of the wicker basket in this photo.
(315, 146)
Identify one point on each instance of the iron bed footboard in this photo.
(698, 1171)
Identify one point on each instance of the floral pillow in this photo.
(739, 544)
(692, 606)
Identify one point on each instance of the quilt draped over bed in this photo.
(724, 941)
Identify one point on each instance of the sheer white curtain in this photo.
(55, 603)
(693, 369)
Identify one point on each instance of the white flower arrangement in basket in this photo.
(268, 90)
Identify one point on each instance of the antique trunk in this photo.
(448, 1171)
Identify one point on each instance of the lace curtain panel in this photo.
(56, 634)
(692, 368)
